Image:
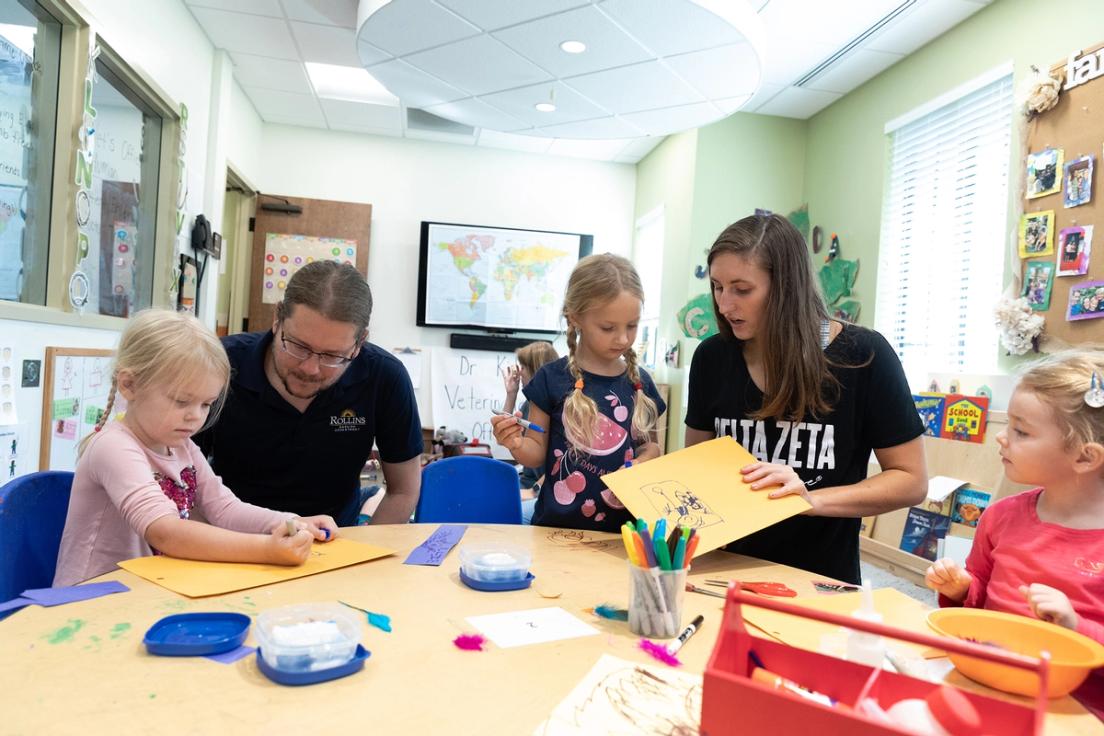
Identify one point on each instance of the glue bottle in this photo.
(864, 648)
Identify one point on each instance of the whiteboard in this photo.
(75, 387)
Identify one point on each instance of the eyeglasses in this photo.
(299, 351)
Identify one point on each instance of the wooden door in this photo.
(285, 241)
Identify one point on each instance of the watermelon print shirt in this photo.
(573, 495)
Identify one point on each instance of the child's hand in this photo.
(322, 527)
(289, 550)
(1050, 604)
(507, 431)
(511, 379)
(947, 578)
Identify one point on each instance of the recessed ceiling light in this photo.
(350, 83)
(545, 107)
(573, 47)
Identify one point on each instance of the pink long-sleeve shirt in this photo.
(1014, 547)
(121, 487)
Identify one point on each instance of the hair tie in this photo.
(97, 428)
(638, 386)
(579, 385)
(1094, 397)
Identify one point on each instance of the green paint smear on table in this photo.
(65, 633)
(118, 630)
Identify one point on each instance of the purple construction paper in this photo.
(15, 603)
(73, 593)
(434, 550)
(233, 655)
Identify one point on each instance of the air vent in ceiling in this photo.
(421, 120)
(854, 43)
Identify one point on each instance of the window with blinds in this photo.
(944, 216)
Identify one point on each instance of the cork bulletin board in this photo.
(1073, 125)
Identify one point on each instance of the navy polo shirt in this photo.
(271, 454)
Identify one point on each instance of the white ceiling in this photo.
(270, 41)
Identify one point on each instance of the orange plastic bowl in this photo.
(1072, 655)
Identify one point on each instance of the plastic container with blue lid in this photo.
(196, 634)
(495, 566)
(308, 637)
(309, 677)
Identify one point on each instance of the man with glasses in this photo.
(308, 400)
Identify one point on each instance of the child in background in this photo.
(139, 480)
(599, 407)
(1040, 553)
(530, 359)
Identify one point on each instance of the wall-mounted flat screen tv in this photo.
(495, 278)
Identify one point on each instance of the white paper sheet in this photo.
(533, 626)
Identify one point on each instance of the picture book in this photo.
(964, 418)
(930, 409)
(923, 530)
(969, 503)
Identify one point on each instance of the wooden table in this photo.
(83, 667)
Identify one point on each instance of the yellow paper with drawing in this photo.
(701, 487)
(195, 578)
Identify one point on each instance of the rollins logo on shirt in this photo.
(800, 444)
(348, 421)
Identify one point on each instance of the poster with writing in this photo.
(77, 385)
(467, 390)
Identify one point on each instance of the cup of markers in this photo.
(658, 565)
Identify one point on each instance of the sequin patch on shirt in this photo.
(182, 492)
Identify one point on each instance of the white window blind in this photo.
(942, 243)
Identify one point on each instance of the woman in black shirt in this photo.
(809, 396)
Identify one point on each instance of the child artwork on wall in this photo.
(1043, 170)
(1037, 234)
(1038, 280)
(1078, 181)
(1074, 247)
(1086, 300)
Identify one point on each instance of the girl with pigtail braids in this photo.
(140, 479)
(600, 408)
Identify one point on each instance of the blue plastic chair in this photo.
(32, 516)
(469, 490)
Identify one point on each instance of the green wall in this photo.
(836, 160)
(707, 179)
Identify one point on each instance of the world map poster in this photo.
(501, 278)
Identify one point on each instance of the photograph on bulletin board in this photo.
(1043, 169)
(1074, 248)
(1038, 281)
(1078, 182)
(1086, 300)
(285, 254)
(1037, 234)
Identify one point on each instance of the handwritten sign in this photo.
(467, 390)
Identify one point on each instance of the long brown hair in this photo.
(596, 281)
(798, 381)
(534, 355)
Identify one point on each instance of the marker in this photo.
(291, 530)
(686, 634)
(523, 422)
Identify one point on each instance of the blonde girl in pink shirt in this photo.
(1040, 553)
(143, 487)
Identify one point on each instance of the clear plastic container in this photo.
(307, 637)
(495, 563)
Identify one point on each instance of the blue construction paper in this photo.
(434, 550)
(73, 593)
(233, 655)
(15, 603)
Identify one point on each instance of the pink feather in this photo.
(471, 642)
(660, 652)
